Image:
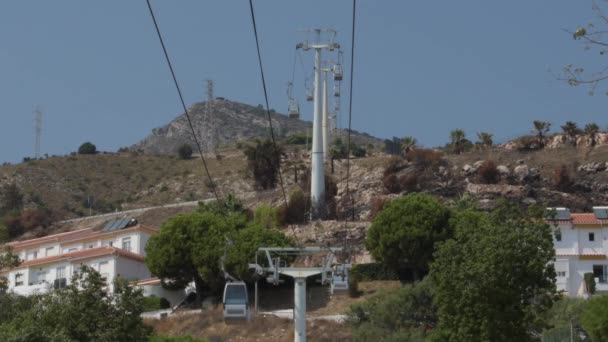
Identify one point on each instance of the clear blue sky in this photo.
(422, 68)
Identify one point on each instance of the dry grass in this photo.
(210, 325)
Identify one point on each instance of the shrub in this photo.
(488, 173)
(561, 179)
(35, 218)
(266, 216)
(590, 282)
(87, 148)
(391, 183)
(372, 271)
(164, 303)
(152, 303)
(184, 152)
(358, 151)
(425, 158)
(595, 318)
(298, 139)
(408, 182)
(296, 209)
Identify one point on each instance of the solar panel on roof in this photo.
(558, 214)
(601, 213)
(123, 223)
(108, 225)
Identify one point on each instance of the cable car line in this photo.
(274, 142)
(181, 98)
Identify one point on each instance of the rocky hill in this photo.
(222, 122)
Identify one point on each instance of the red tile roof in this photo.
(56, 237)
(147, 281)
(583, 218)
(586, 218)
(84, 253)
(72, 236)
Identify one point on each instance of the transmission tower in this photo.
(210, 90)
(38, 129)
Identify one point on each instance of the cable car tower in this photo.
(317, 184)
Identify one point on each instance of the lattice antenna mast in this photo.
(38, 130)
(210, 90)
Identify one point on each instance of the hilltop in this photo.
(220, 122)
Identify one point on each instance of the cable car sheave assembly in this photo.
(275, 263)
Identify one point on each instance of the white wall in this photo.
(174, 297)
(131, 269)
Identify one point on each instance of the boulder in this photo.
(522, 172)
(592, 167)
(468, 169)
(503, 170)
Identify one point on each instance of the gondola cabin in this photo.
(236, 301)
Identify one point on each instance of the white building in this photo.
(581, 246)
(49, 262)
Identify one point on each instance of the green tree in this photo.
(188, 248)
(404, 233)
(7, 260)
(485, 139)
(264, 161)
(404, 314)
(184, 151)
(595, 318)
(541, 128)
(245, 245)
(82, 311)
(571, 130)
(87, 148)
(457, 140)
(591, 131)
(407, 144)
(494, 280)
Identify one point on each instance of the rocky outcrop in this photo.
(223, 122)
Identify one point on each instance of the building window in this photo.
(591, 236)
(561, 273)
(126, 243)
(41, 276)
(72, 250)
(599, 271)
(60, 279)
(18, 279)
(35, 254)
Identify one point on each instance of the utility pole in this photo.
(38, 129)
(210, 90)
(317, 184)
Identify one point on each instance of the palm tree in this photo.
(591, 131)
(541, 127)
(485, 139)
(571, 130)
(407, 144)
(457, 136)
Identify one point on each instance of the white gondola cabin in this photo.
(236, 301)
